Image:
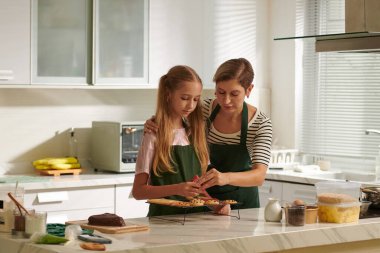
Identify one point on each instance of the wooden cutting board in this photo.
(129, 227)
(57, 173)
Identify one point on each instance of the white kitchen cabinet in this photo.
(291, 191)
(79, 42)
(127, 206)
(15, 42)
(175, 36)
(73, 203)
(270, 189)
(286, 192)
(121, 42)
(59, 41)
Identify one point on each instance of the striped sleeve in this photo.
(206, 108)
(259, 139)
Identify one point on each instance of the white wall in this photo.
(282, 73)
(35, 122)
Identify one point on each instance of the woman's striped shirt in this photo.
(259, 135)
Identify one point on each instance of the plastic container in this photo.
(338, 213)
(295, 215)
(348, 188)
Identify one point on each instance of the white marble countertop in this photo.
(205, 232)
(312, 178)
(87, 178)
(90, 178)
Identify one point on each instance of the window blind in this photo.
(339, 92)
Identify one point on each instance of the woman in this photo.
(239, 137)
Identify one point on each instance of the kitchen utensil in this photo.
(364, 207)
(129, 227)
(371, 194)
(18, 204)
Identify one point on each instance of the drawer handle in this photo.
(266, 189)
(46, 197)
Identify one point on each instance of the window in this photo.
(339, 92)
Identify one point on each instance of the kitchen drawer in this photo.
(82, 214)
(270, 189)
(127, 206)
(70, 199)
(307, 193)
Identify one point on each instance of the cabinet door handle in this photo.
(6, 75)
(266, 189)
(46, 197)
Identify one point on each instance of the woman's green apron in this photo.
(186, 165)
(233, 158)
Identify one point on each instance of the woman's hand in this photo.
(189, 189)
(213, 177)
(150, 126)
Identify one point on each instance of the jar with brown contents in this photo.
(295, 215)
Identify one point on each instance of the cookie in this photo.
(93, 246)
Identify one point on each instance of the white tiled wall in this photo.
(35, 122)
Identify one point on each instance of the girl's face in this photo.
(185, 99)
(230, 95)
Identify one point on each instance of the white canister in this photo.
(35, 222)
(273, 210)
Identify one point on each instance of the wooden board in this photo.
(129, 227)
(59, 172)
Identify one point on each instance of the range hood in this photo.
(362, 30)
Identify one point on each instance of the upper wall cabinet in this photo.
(15, 42)
(121, 42)
(59, 41)
(90, 42)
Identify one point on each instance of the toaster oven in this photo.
(114, 145)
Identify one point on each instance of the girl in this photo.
(169, 159)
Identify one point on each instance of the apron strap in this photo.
(213, 115)
(244, 124)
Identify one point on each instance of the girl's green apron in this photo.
(233, 158)
(186, 165)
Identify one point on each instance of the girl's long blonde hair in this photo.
(195, 126)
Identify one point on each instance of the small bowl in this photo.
(364, 207)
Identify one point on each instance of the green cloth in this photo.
(233, 158)
(58, 229)
(186, 165)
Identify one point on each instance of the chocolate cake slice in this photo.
(106, 219)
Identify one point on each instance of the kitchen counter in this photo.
(314, 177)
(91, 178)
(87, 178)
(205, 232)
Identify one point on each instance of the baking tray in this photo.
(172, 203)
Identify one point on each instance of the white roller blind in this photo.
(340, 92)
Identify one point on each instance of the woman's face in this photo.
(230, 95)
(185, 99)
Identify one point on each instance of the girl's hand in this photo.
(222, 210)
(213, 177)
(150, 126)
(188, 189)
